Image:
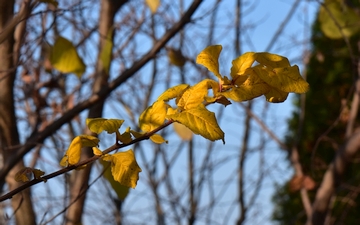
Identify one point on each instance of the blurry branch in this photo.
(39, 137)
(87, 161)
(241, 174)
(355, 102)
(23, 13)
(332, 179)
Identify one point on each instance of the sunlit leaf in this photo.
(153, 5)
(97, 125)
(106, 52)
(153, 116)
(65, 58)
(239, 66)
(183, 132)
(173, 92)
(72, 155)
(209, 58)
(200, 121)
(287, 79)
(253, 87)
(97, 151)
(158, 139)
(195, 95)
(120, 190)
(337, 20)
(125, 169)
(272, 61)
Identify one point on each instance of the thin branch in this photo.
(39, 137)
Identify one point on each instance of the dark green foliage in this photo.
(331, 74)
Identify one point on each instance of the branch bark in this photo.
(40, 136)
(9, 136)
(332, 179)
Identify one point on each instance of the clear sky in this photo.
(261, 21)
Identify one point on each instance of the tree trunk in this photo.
(9, 137)
(79, 180)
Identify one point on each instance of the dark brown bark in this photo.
(79, 180)
(9, 137)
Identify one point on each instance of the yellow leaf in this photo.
(52, 2)
(239, 66)
(97, 125)
(287, 79)
(137, 134)
(200, 121)
(125, 169)
(65, 58)
(158, 139)
(97, 151)
(27, 173)
(219, 99)
(173, 92)
(338, 19)
(272, 60)
(253, 87)
(72, 155)
(183, 132)
(195, 95)
(120, 190)
(126, 136)
(209, 58)
(276, 96)
(106, 52)
(153, 116)
(176, 57)
(153, 5)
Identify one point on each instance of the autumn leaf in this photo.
(72, 155)
(287, 79)
(26, 174)
(276, 96)
(338, 20)
(124, 168)
(158, 139)
(196, 94)
(106, 51)
(200, 121)
(52, 2)
(209, 58)
(173, 92)
(153, 116)
(125, 137)
(65, 58)
(240, 65)
(253, 87)
(120, 190)
(98, 125)
(182, 131)
(153, 5)
(272, 61)
(97, 151)
(176, 57)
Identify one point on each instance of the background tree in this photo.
(125, 46)
(324, 129)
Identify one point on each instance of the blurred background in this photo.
(287, 163)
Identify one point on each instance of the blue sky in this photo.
(261, 21)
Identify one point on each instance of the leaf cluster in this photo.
(271, 76)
